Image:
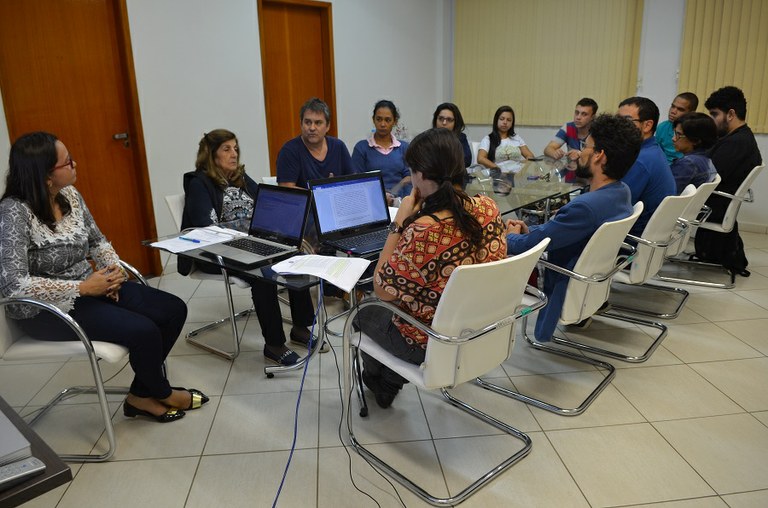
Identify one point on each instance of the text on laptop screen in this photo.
(348, 204)
(279, 213)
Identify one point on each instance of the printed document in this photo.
(340, 271)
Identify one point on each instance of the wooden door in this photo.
(66, 67)
(297, 63)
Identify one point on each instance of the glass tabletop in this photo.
(522, 184)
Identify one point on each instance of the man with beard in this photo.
(734, 155)
(609, 151)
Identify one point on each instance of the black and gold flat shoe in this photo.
(198, 397)
(169, 416)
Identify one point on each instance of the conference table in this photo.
(526, 186)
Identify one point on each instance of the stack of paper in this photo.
(196, 238)
(341, 272)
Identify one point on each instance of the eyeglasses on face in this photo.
(678, 135)
(445, 119)
(70, 162)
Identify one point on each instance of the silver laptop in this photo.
(275, 232)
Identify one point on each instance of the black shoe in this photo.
(169, 416)
(197, 400)
(300, 336)
(383, 396)
(288, 358)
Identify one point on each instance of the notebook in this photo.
(275, 232)
(351, 212)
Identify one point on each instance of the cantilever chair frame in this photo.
(622, 261)
(351, 380)
(745, 196)
(173, 202)
(89, 350)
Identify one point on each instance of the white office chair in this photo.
(475, 146)
(743, 195)
(271, 180)
(663, 230)
(587, 290)
(16, 346)
(469, 337)
(693, 215)
(175, 204)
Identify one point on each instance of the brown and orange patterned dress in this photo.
(425, 256)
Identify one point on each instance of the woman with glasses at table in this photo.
(694, 134)
(47, 235)
(437, 228)
(384, 152)
(502, 143)
(448, 116)
(218, 191)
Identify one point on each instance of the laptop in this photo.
(351, 212)
(275, 232)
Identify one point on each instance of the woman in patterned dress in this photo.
(46, 235)
(437, 228)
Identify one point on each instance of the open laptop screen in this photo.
(350, 203)
(279, 214)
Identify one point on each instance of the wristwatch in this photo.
(394, 227)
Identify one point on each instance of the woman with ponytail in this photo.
(437, 228)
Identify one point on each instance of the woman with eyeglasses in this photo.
(438, 227)
(694, 134)
(48, 234)
(448, 116)
(502, 144)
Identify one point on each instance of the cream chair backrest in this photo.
(271, 180)
(691, 212)
(660, 228)
(475, 145)
(175, 204)
(598, 258)
(475, 296)
(733, 208)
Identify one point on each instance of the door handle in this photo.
(122, 136)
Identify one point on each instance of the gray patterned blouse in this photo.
(48, 265)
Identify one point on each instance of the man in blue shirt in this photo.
(649, 179)
(610, 149)
(313, 154)
(684, 103)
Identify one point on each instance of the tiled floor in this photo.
(688, 428)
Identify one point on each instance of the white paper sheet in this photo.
(339, 271)
(196, 238)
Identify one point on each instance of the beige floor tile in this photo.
(521, 485)
(754, 240)
(733, 308)
(21, 382)
(762, 416)
(263, 422)
(48, 500)
(79, 373)
(686, 316)
(706, 342)
(163, 482)
(252, 479)
(206, 309)
(762, 270)
(200, 372)
(727, 451)
(744, 381)
(247, 377)
(672, 392)
(701, 502)
(757, 499)
(142, 438)
(758, 296)
(447, 421)
(756, 281)
(609, 408)
(526, 360)
(751, 331)
(628, 464)
(567, 390)
(337, 491)
(630, 341)
(756, 257)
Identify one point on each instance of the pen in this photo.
(189, 239)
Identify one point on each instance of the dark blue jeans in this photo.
(376, 323)
(145, 320)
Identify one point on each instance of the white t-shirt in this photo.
(508, 149)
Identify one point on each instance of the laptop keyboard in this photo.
(254, 247)
(379, 236)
